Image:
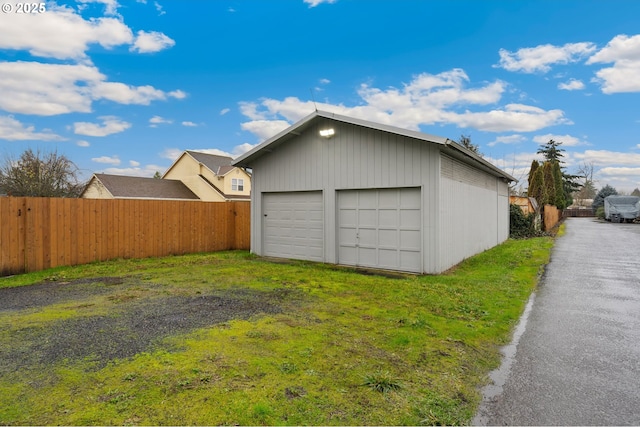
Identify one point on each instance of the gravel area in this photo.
(135, 323)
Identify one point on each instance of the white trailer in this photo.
(621, 208)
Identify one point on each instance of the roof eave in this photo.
(245, 159)
(487, 165)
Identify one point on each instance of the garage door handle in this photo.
(265, 214)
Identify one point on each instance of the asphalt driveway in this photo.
(575, 359)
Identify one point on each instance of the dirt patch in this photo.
(133, 326)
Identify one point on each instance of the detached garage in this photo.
(342, 190)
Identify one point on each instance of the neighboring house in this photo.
(342, 190)
(212, 178)
(104, 186)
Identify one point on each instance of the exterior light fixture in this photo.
(327, 133)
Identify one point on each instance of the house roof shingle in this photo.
(218, 164)
(145, 188)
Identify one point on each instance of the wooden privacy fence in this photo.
(40, 233)
(578, 213)
(552, 216)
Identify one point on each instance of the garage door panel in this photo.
(367, 200)
(387, 232)
(388, 199)
(410, 219)
(293, 225)
(410, 240)
(367, 217)
(388, 217)
(348, 255)
(388, 238)
(408, 199)
(409, 259)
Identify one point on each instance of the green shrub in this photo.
(600, 212)
(521, 225)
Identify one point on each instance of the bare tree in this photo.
(38, 174)
(587, 188)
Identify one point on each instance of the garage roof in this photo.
(452, 148)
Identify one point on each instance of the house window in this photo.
(237, 184)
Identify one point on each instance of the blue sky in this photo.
(125, 86)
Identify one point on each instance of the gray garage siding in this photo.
(473, 211)
(355, 158)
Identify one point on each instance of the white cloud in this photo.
(46, 89)
(189, 124)
(325, 81)
(52, 89)
(239, 150)
(265, 129)
(148, 42)
(111, 6)
(608, 158)
(157, 120)
(114, 160)
(133, 163)
(61, 33)
(125, 94)
(514, 117)
(250, 110)
(621, 47)
(624, 75)
(159, 8)
(109, 126)
(147, 171)
(540, 58)
(507, 139)
(171, 153)
(314, 3)
(13, 130)
(83, 143)
(614, 171)
(177, 94)
(572, 84)
(516, 165)
(427, 100)
(224, 111)
(566, 140)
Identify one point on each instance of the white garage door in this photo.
(293, 225)
(380, 228)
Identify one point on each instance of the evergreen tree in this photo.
(537, 188)
(559, 197)
(605, 191)
(532, 170)
(551, 151)
(549, 183)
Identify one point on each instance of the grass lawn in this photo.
(342, 348)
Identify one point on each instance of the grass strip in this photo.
(343, 348)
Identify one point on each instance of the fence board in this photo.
(551, 217)
(39, 233)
